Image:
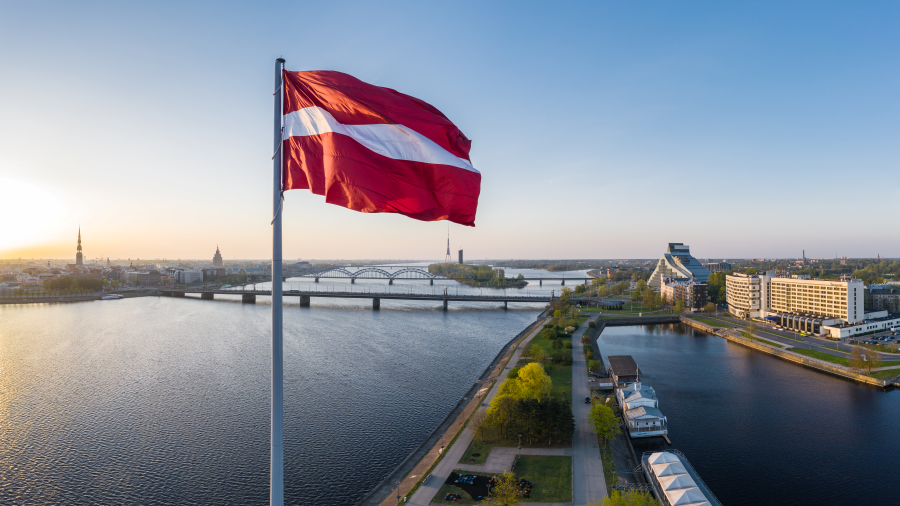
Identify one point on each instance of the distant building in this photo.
(461, 257)
(188, 277)
(886, 298)
(722, 266)
(150, 278)
(677, 263)
(691, 293)
(217, 258)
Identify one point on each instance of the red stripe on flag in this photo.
(354, 102)
(353, 176)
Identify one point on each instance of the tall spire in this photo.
(79, 257)
(447, 256)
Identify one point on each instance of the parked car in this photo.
(587, 400)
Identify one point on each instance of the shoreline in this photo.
(812, 363)
(426, 455)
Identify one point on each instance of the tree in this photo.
(604, 422)
(538, 355)
(557, 313)
(505, 491)
(476, 423)
(628, 498)
(748, 333)
(593, 365)
(709, 307)
(533, 382)
(502, 412)
(679, 306)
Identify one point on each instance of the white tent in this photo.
(687, 497)
(663, 458)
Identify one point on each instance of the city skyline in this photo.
(737, 118)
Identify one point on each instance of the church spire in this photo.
(79, 257)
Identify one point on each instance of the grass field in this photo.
(713, 323)
(764, 341)
(886, 375)
(551, 476)
(822, 356)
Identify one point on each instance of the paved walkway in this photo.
(588, 480)
(502, 457)
(426, 492)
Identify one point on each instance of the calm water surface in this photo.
(166, 401)
(762, 431)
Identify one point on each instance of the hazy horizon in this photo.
(600, 130)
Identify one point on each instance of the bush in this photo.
(568, 345)
(592, 324)
(514, 372)
(585, 340)
(562, 358)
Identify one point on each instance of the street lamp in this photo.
(398, 493)
(520, 441)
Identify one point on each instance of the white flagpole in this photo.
(276, 477)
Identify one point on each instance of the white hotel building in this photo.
(832, 308)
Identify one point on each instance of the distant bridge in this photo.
(249, 296)
(410, 272)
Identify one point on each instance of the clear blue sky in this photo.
(602, 129)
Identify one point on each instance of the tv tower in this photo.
(447, 256)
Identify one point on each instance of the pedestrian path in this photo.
(589, 484)
(426, 492)
(502, 457)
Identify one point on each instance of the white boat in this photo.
(113, 296)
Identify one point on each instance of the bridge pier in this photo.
(248, 298)
(304, 301)
(505, 304)
(352, 281)
(445, 304)
(376, 303)
(564, 282)
(317, 280)
(431, 282)
(207, 296)
(540, 282)
(391, 281)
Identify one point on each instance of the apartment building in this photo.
(835, 299)
(691, 293)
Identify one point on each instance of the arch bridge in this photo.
(378, 273)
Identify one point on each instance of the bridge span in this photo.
(249, 296)
(412, 272)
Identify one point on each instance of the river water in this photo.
(166, 401)
(762, 431)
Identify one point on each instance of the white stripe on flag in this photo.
(393, 141)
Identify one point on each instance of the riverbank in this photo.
(68, 298)
(784, 353)
(417, 466)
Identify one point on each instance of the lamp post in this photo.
(398, 493)
(520, 441)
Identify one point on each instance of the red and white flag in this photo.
(375, 150)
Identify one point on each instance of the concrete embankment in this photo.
(820, 365)
(643, 320)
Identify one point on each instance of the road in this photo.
(588, 480)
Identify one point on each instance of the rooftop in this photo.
(623, 365)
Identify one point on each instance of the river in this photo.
(760, 430)
(166, 401)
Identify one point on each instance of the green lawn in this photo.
(770, 343)
(551, 476)
(609, 466)
(836, 349)
(713, 323)
(822, 356)
(886, 375)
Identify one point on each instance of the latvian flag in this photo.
(375, 150)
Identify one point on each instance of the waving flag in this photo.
(375, 150)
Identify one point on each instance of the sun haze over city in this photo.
(743, 130)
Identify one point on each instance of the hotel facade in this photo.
(824, 307)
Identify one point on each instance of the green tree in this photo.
(627, 498)
(534, 382)
(506, 491)
(476, 423)
(709, 307)
(538, 355)
(679, 306)
(604, 422)
(557, 313)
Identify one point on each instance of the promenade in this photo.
(588, 480)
